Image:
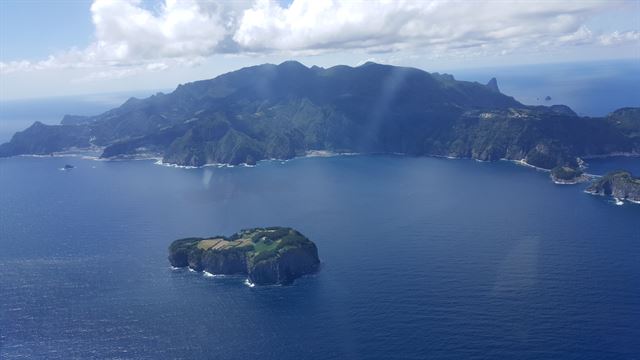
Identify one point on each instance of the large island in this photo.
(283, 111)
(267, 256)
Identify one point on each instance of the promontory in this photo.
(619, 184)
(267, 256)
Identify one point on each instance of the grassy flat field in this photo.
(222, 244)
(262, 243)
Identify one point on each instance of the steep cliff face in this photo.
(286, 267)
(272, 255)
(493, 85)
(620, 184)
(224, 262)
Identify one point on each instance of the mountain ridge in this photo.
(281, 111)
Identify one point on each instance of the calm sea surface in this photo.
(422, 258)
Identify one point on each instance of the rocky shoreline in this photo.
(562, 175)
(620, 185)
(565, 175)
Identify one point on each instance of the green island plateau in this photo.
(267, 256)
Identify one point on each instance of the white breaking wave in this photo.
(208, 274)
(523, 162)
(320, 153)
(159, 162)
(326, 153)
(218, 165)
(309, 154)
(249, 283)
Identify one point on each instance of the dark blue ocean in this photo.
(422, 258)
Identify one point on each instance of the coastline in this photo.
(523, 162)
(616, 200)
(93, 154)
(579, 180)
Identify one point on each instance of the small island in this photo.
(619, 184)
(267, 256)
(567, 175)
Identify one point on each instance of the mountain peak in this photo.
(292, 64)
(493, 85)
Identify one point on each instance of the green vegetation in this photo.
(184, 244)
(263, 246)
(270, 243)
(621, 175)
(260, 244)
(565, 173)
(223, 244)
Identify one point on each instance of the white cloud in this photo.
(581, 36)
(126, 34)
(108, 74)
(395, 25)
(617, 37)
(130, 38)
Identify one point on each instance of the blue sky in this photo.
(73, 47)
(33, 29)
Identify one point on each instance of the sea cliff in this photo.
(619, 184)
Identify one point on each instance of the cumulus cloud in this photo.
(127, 34)
(396, 25)
(617, 37)
(130, 37)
